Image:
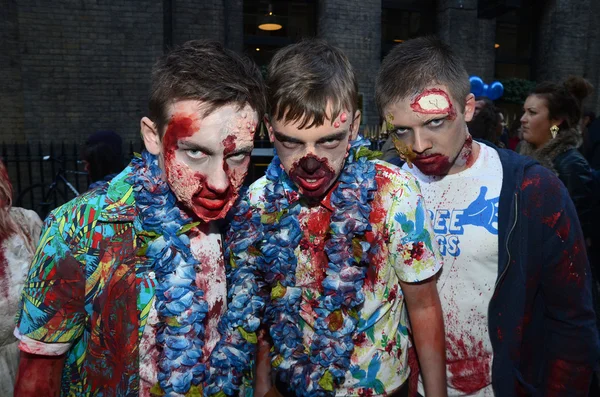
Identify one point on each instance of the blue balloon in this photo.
(486, 91)
(476, 85)
(496, 90)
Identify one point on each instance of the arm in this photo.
(263, 366)
(39, 375)
(52, 314)
(425, 313)
(571, 337)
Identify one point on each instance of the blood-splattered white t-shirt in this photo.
(207, 248)
(464, 213)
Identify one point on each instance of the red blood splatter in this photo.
(469, 366)
(552, 219)
(535, 181)
(416, 106)
(228, 145)
(499, 333)
(433, 164)
(564, 229)
(318, 223)
(467, 152)
(312, 167)
(39, 375)
(364, 392)
(393, 294)
(360, 338)
(565, 378)
(417, 251)
(180, 126)
(4, 280)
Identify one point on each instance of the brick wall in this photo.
(470, 37)
(70, 67)
(11, 98)
(568, 42)
(84, 66)
(355, 27)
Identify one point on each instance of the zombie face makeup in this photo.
(314, 157)
(206, 158)
(429, 124)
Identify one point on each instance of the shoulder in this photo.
(392, 174)
(256, 191)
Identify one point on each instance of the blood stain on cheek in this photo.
(184, 182)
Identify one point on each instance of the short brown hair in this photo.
(415, 64)
(207, 72)
(302, 78)
(564, 100)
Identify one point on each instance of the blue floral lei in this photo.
(320, 370)
(181, 305)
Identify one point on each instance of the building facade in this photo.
(69, 68)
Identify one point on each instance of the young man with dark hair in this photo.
(515, 288)
(345, 249)
(128, 284)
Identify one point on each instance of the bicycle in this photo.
(51, 196)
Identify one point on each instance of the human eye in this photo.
(290, 145)
(330, 143)
(238, 157)
(195, 154)
(436, 123)
(400, 130)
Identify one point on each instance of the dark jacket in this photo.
(562, 157)
(541, 319)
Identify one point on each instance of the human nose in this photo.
(218, 180)
(523, 118)
(421, 143)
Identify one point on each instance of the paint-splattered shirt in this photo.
(89, 294)
(404, 249)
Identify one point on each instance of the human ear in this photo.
(269, 128)
(469, 107)
(354, 127)
(150, 136)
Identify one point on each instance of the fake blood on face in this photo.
(434, 101)
(433, 164)
(313, 175)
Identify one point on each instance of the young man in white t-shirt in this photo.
(515, 287)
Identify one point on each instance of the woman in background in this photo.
(19, 235)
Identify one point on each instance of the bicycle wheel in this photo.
(35, 198)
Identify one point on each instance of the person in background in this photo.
(19, 234)
(550, 125)
(516, 286)
(102, 155)
(485, 125)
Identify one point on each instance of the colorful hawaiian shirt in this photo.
(404, 250)
(88, 293)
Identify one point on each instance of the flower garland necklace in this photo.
(323, 368)
(181, 305)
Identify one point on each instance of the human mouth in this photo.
(310, 183)
(210, 204)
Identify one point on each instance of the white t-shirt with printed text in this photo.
(463, 209)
